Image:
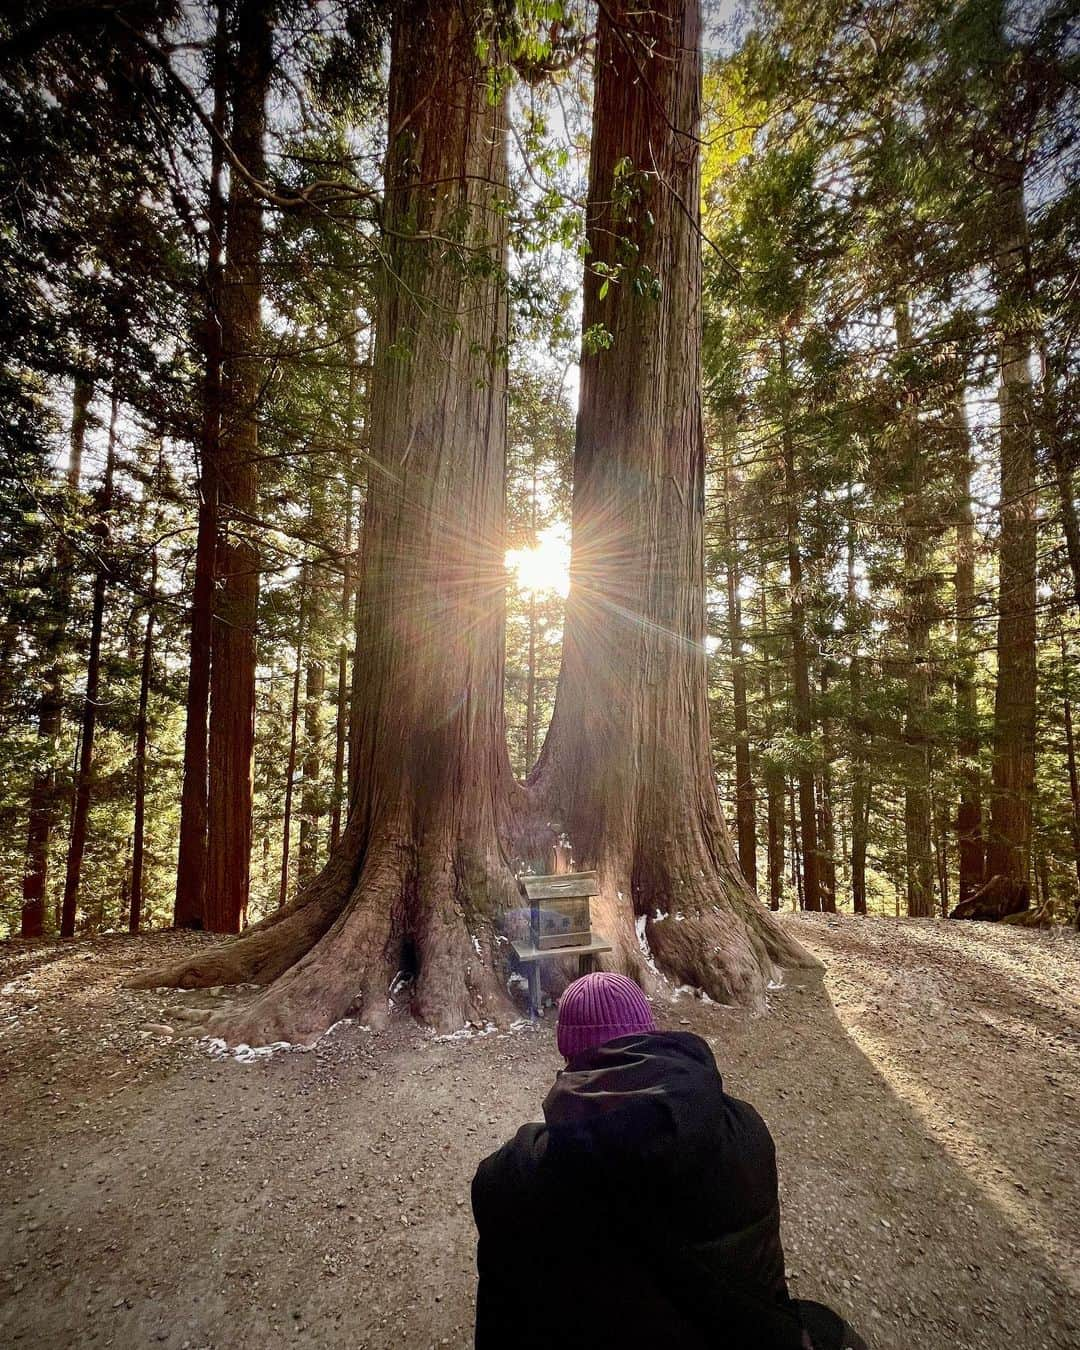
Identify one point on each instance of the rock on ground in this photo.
(924, 1101)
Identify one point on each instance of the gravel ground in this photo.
(924, 1099)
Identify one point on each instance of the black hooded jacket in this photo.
(644, 1213)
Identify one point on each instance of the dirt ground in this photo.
(925, 1102)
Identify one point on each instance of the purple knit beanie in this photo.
(597, 1008)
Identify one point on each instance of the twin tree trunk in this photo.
(424, 867)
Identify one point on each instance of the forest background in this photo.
(890, 232)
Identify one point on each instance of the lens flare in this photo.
(545, 567)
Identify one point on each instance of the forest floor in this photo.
(924, 1098)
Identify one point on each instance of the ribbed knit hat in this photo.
(597, 1008)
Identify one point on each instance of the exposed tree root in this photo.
(996, 899)
(693, 928)
(256, 957)
(336, 957)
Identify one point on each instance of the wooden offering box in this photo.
(560, 909)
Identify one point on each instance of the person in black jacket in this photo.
(645, 1211)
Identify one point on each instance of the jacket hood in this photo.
(654, 1095)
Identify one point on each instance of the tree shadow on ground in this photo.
(322, 1199)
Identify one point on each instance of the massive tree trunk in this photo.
(969, 841)
(918, 588)
(1008, 857)
(421, 869)
(626, 769)
(231, 742)
(44, 800)
(80, 815)
(190, 899)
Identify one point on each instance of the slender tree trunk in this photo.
(918, 607)
(83, 779)
(627, 767)
(827, 829)
(341, 722)
(310, 811)
(294, 724)
(1057, 441)
(190, 901)
(858, 730)
(1074, 779)
(138, 843)
(1008, 858)
(774, 778)
(421, 870)
(745, 798)
(800, 660)
(796, 851)
(231, 743)
(969, 841)
(44, 800)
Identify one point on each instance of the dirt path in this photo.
(925, 1102)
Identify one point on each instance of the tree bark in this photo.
(310, 806)
(774, 779)
(800, 659)
(826, 827)
(138, 839)
(421, 871)
(858, 729)
(626, 768)
(918, 587)
(341, 721)
(231, 742)
(745, 799)
(1074, 778)
(44, 803)
(190, 900)
(1008, 856)
(83, 781)
(294, 724)
(969, 840)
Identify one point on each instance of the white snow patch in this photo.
(516, 981)
(643, 943)
(466, 1032)
(476, 945)
(660, 916)
(693, 991)
(243, 1053)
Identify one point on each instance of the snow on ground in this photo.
(924, 1100)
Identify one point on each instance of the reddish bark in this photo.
(231, 742)
(419, 874)
(189, 903)
(626, 769)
